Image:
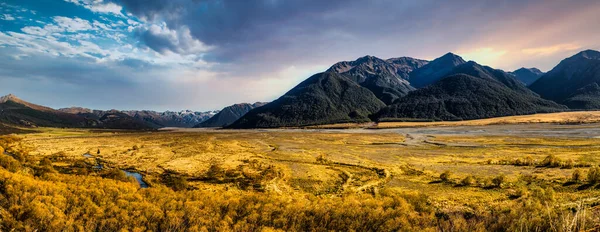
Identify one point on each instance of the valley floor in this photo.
(463, 177)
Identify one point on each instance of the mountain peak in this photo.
(589, 54)
(434, 70)
(9, 97)
(453, 57)
(527, 75)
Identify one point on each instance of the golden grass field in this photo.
(575, 117)
(319, 162)
(486, 172)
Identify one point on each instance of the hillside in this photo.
(587, 97)
(527, 75)
(385, 78)
(572, 81)
(321, 99)
(14, 111)
(229, 115)
(462, 97)
(474, 69)
(434, 70)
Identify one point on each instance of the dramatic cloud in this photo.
(205, 54)
(296, 31)
(162, 39)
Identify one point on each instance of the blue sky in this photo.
(203, 55)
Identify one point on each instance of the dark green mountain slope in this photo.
(485, 72)
(434, 70)
(587, 97)
(323, 98)
(571, 80)
(462, 97)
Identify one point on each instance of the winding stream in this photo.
(138, 177)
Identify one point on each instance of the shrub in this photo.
(551, 161)
(445, 176)
(215, 172)
(45, 162)
(593, 175)
(116, 174)
(498, 181)
(9, 163)
(323, 160)
(576, 176)
(175, 182)
(569, 164)
(468, 181)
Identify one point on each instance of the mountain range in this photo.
(446, 88)
(363, 90)
(229, 115)
(185, 118)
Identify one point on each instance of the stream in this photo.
(137, 176)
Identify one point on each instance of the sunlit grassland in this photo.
(486, 173)
(575, 117)
(297, 155)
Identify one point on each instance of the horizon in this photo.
(203, 56)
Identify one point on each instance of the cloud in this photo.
(162, 39)
(99, 6)
(72, 24)
(204, 54)
(549, 50)
(8, 17)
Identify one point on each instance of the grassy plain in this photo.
(575, 117)
(489, 180)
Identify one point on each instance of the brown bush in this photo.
(498, 181)
(445, 176)
(593, 175)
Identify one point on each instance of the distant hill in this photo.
(527, 75)
(385, 78)
(463, 97)
(434, 70)
(323, 98)
(14, 111)
(185, 118)
(573, 81)
(229, 114)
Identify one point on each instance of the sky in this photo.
(207, 54)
